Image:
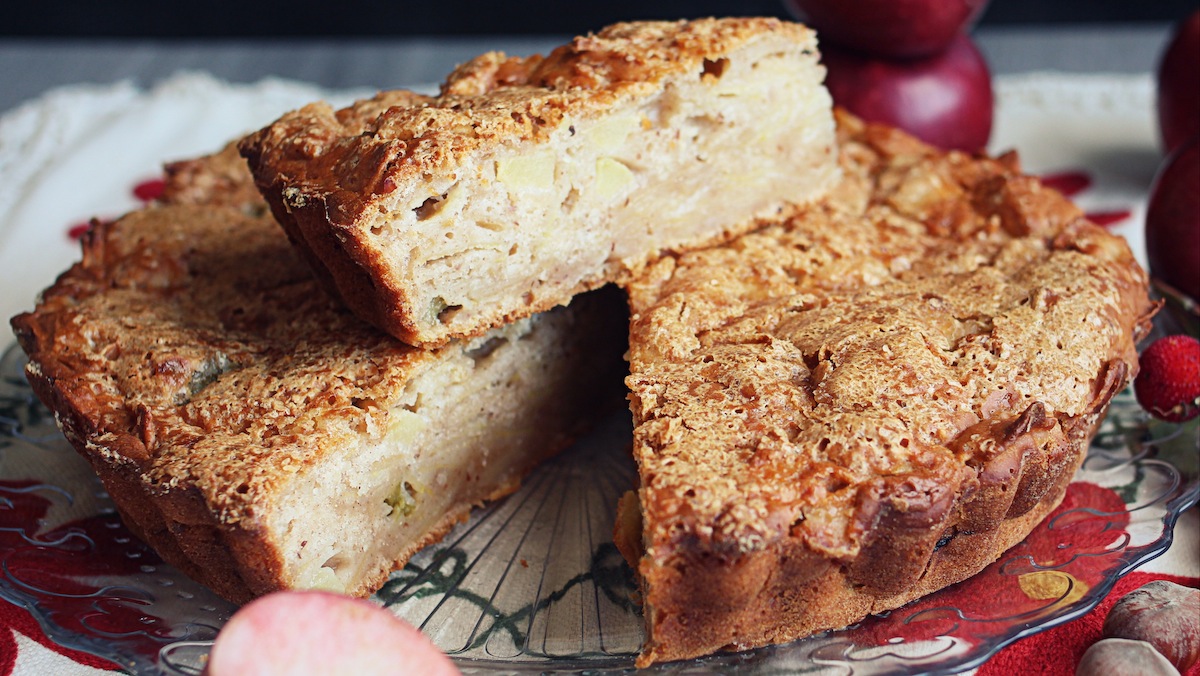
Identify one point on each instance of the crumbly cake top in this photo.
(883, 345)
(346, 157)
(220, 179)
(632, 54)
(187, 331)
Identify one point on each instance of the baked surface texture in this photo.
(869, 400)
(261, 437)
(529, 180)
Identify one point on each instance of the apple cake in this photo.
(529, 180)
(261, 437)
(869, 400)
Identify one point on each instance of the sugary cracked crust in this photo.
(327, 174)
(872, 400)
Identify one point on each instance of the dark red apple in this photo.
(945, 99)
(1179, 85)
(895, 28)
(1173, 221)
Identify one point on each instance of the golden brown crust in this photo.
(787, 591)
(901, 363)
(344, 158)
(192, 359)
(328, 175)
(220, 179)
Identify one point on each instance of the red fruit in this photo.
(322, 633)
(1173, 221)
(1168, 385)
(892, 28)
(1179, 85)
(945, 99)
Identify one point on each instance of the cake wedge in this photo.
(261, 437)
(529, 180)
(869, 400)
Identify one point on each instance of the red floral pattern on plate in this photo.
(23, 502)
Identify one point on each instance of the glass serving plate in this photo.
(533, 583)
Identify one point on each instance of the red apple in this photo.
(311, 632)
(895, 28)
(1173, 220)
(1179, 85)
(944, 99)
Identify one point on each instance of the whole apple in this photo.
(320, 633)
(1179, 85)
(945, 99)
(1173, 221)
(895, 28)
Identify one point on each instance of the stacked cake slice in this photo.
(529, 180)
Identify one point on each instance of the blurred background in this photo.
(344, 18)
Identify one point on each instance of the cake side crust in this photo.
(787, 591)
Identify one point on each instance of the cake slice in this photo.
(259, 436)
(868, 401)
(529, 180)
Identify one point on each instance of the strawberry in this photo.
(1169, 383)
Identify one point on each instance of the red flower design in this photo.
(148, 190)
(65, 578)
